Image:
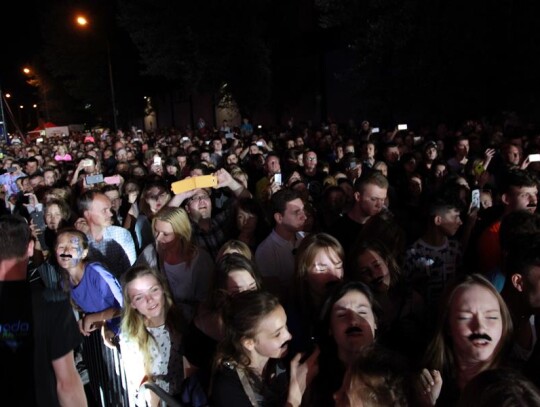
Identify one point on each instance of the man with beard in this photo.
(519, 192)
(110, 245)
(210, 231)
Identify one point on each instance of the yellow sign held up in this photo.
(188, 184)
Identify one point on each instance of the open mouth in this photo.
(353, 331)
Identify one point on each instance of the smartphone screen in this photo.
(402, 127)
(475, 198)
(277, 178)
(94, 179)
(534, 158)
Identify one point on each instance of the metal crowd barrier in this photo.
(106, 372)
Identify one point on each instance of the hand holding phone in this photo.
(94, 179)
(475, 198)
(112, 180)
(39, 220)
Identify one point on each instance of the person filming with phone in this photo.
(87, 166)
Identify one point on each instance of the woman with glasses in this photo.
(187, 268)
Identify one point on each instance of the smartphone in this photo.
(260, 143)
(417, 140)
(94, 179)
(39, 140)
(157, 160)
(534, 158)
(277, 178)
(39, 220)
(352, 165)
(375, 130)
(112, 180)
(402, 127)
(88, 163)
(475, 198)
(229, 135)
(184, 139)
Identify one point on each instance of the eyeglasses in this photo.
(198, 198)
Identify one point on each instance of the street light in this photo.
(82, 21)
(34, 80)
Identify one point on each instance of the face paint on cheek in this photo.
(77, 258)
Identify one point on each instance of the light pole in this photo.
(3, 136)
(83, 22)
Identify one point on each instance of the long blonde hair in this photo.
(179, 220)
(133, 325)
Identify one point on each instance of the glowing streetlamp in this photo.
(82, 21)
(34, 80)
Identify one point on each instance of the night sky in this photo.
(457, 58)
(21, 39)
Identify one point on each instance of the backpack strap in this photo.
(247, 386)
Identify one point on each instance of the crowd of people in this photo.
(304, 265)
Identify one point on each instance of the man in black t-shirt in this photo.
(37, 335)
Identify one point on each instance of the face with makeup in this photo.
(352, 322)
(475, 324)
(70, 251)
